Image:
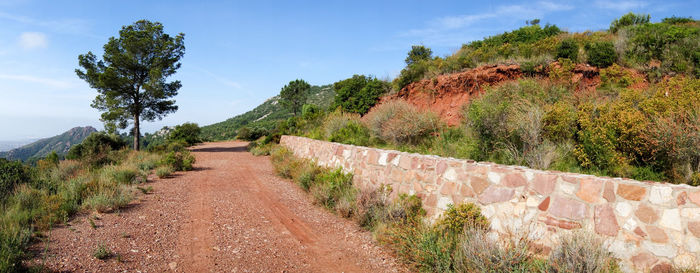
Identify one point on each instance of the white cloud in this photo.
(620, 5)
(73, 26)
(59, 84)
(33, 40)
(450, 30)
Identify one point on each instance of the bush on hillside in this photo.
(359, 93)
(629, 19)
(399, 122)
(95, 148)
(12, 173)
(250, 134)
(675, 46)
(601, 54)
(568, 48)
(345, 128)
(187, 133)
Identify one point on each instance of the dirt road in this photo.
(231, 214)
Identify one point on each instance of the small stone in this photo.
(544, 183)
(660, 194)
(660, 250)
(172, 265)
(567, 208)
(544, 205)
(657, 235)
(494, 177)
(631, 192)
(514, 180)
(646, 214)
(694, 197)
(441, 167)
(643, 261)
(640, 232)
(609, 192)
(682, 199)
(532, 201)
(448, 188)
(694, 228)
(443, 202)
(567, 188)
(479, 184)
(662, 268)
(590, 190)
(450, 174)
(465, 191)
(671, 218)
(623, 209)
(605, 220)
(405, 162)
(495, 194)
(684, 261)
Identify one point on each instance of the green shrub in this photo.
(359, 93)
(95, 149)
(260, 150)
(601, 54)
(311, 111)
(345, 128)
(102, 252)
(164, 171)
(582, 252)
(307, 174)
(331, 186)
(673, 20)
(250, 134)
(568, 48)
(372, 206)
(13, 243)
(629, 19)
(179, 160)
(399, 122)
(12, 173)
(466, 215)
(187, 133)
(109, 199)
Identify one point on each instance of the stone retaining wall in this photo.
(649, 225)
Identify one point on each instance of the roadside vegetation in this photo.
(641, 122)
(101, 174)
(459, 241)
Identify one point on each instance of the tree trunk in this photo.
(137, 133)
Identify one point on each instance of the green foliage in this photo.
(179, 160)
(187, 133)
(266, 115)
(399, 122)
(676, 46)
(250, 134)
(568, 48)
(131, 77)
(345, 128)
(601, 54)
(102, 252)
(12, 173)
(95, 148)
(673, 20)
(294, 95)
(359, 93)
(418, 53)
(629, 19)
(463, 216)
(164, 171)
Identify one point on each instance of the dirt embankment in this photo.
(446, 94)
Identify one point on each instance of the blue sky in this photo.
(240, 53)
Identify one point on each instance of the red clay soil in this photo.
(446, 94)
(231, 214)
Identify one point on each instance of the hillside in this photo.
(265, 115)
(60, 144)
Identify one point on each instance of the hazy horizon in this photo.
(240, 54)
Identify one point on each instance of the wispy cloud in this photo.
(449, 30)
(620, 5)
(58, 84)
(33, 40)
(72, 26)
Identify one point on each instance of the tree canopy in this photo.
(294, 94)
(359, 93)
(131, 78)
(418, 53)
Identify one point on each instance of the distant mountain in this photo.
(60, 144)
(6, 145)
(265, 115)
